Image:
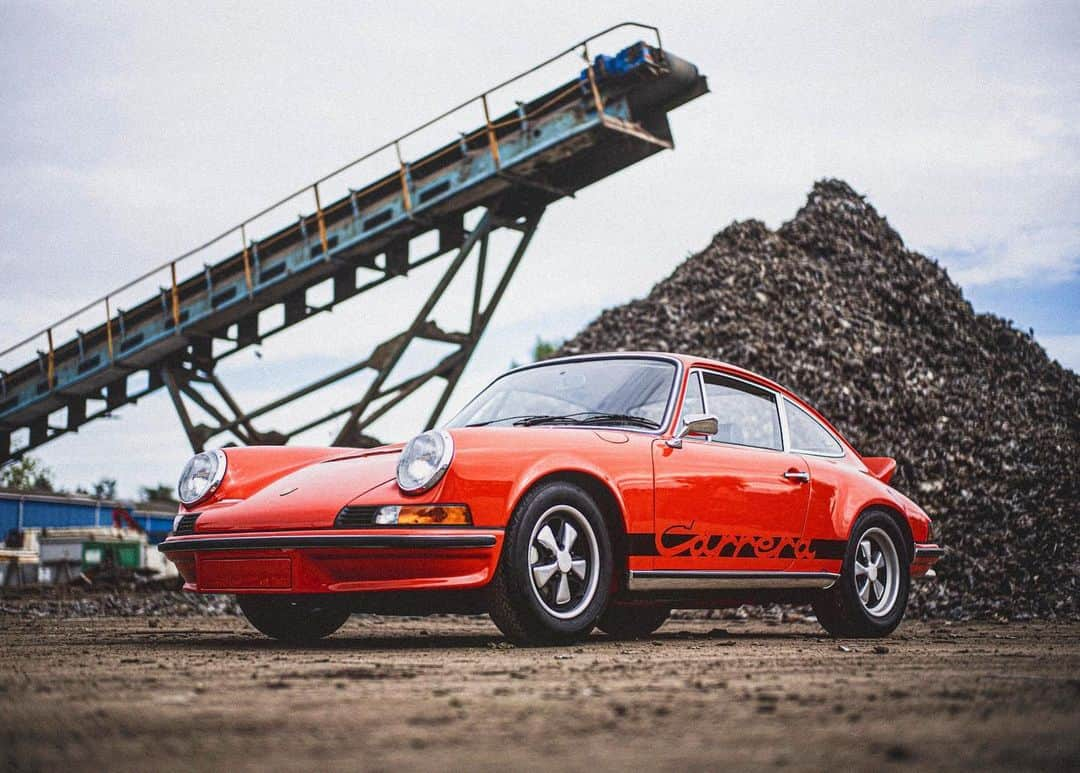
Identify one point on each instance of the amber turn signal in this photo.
(423, 515)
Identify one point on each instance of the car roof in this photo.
(691, 361)
(688, 361)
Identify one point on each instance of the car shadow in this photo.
(353, 642)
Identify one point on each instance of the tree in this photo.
(162, 492)
(542, 350)
(27, 474)
(545, 350)
(105, 489)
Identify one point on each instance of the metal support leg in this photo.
(181, 383)
(169, 377)
(480, 319)
(449, 368)
(381, 396)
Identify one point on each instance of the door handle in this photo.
(802, 477)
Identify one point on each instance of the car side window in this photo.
(748, 415)
(693, 402)
(808, 435)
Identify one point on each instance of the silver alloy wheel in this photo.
(564, 561)
(877, 572)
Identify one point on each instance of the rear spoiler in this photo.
(881, 467)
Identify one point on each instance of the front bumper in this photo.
(338, 562)
(926, 555)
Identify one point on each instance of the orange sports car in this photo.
(581, 492)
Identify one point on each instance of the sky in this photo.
(135, 131)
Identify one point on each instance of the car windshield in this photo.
(622, 392)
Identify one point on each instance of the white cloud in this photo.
(1035, 255)
(1063, 348)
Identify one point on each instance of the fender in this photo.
(555, 464)
(918, 523)
(621, 463)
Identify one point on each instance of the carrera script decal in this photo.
(685, 540)
(689, 540)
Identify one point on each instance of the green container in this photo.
(122, 554)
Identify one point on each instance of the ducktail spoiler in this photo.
(881, 467)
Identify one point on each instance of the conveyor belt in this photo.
(611, 116)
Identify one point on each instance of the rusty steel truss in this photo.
(192, 380)
(207, 303)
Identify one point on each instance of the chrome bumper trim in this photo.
(653, 580)
(285, 541)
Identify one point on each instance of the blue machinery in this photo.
(41, 511)
(510, 168)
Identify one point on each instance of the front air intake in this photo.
(186, 525)
(355, 517)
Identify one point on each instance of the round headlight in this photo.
(425, 458)
(201, 476)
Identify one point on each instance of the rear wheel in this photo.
(554, 575)
(871, 595)
(622, 621)
(293, 619)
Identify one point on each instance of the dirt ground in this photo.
(448, 693)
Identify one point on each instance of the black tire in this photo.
(624, 621)
(841, 610)
(527, 610)
(297, 620)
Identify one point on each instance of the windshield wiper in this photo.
(621, 418)
(532, 421)
(523, 417)
(588, 418)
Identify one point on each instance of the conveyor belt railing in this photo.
(612, 114)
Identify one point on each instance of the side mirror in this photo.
(695, 424)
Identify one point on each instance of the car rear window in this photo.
(807, 434)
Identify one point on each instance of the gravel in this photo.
(150, 603)
(404, 694)
(984, 426)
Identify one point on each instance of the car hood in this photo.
(307, 498)
(311, 494)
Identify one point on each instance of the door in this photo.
(736, 500)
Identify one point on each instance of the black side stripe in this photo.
(828, 548)
(642, 545)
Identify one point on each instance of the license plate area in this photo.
(235, 574)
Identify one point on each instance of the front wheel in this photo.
(292, 619)
(554, 575)
(871, 595)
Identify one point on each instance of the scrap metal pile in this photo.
(984, 426)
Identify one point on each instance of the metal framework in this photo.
(611, 115)
(190, 380)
